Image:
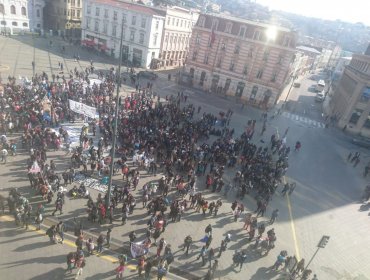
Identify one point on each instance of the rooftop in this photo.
(308, 49)
(131, 6)
(246, 21)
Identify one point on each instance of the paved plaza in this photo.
(325, 202)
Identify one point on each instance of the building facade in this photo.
(14, 16)
(176, 35)
(242, 58)
(350, 103)
(63, 17)
(142, 27)
(36, 15)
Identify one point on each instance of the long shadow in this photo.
(55, 274)
(264, 273)
(45, 260)
(32, 246)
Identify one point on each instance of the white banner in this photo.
(82, 109)
(138, 249)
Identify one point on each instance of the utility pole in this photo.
(113, 150)
(290, 88)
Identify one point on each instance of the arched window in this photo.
(12, 9)
(24, 12)
(1, 9)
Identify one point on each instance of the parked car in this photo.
(361, 141)
(148, 75)
(297, 85)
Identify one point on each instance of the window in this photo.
(132, 35)
(201, 21)
(280, 59)
(223, 46)
(177, 22)
(88, 11)
(365, 96)
(205, 61)
(115, 15)
(73, 13)
(97, 11)
(166, 38)
(133, 20)
(38, 13)
(228, 27)
(181, 22)
(259, 74)
(25, 24)
(245, 70)
(78, 13)
(237, 49)
(195, 54)
(265, 55)
(3, 22)
(106, 13)
(256, 35)
(78, 3)
(273, 78)
(197, 39)
(141, 39)
(242, 31)
(143, 22)
(173, 21)
(286, 41)
(14, 23)
(73, 3)
(157, 25)
(2, 9)
(124, 19)
(88, 21)
(214, 24)
(355, 116)
(254, 93)
(168, 21)
(114, 30)
(96, 28)
(23, 11)
(240, 89)
(155, 39)
(105, 27)
(219, 62)
(232, 65)
(12, 10)
(250, 53)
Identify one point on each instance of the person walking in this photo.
(222, 248)
(211, 254)
(274, 215)
(202, 254)
(80, 263)
(120, 269)
(99, 243)
(60, 230)
(108, 237)
(187, 242)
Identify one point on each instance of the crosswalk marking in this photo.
(304, 120)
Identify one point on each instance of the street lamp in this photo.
(113, 150)
(322, 244)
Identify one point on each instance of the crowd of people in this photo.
(195, 152)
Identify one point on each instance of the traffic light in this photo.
(324, 240)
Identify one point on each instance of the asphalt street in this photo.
(325, 202)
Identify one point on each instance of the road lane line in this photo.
(298, 255)
(69, 243)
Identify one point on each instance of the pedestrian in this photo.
(222, 248)
(274, 215)
(148, 268)
(60, 230)
(202, 254)
(243, 257)
(51, 232)
(247, 221)
(300, 267)
(285, 189)
(108, 237)
(187, 242)
(120, 269)
(211, 254)
(80, 263)
(4, 155)
(99, 243)
(141, 265)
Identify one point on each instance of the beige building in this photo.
(238, 57)
(176, 35)
(63, 17)
(350, 103)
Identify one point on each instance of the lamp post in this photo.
(290, 88)
(322, 244)
(113, 150)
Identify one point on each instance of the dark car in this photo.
(361, 141)
(148, 75)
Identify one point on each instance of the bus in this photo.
(320, 86)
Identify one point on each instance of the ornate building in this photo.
(14, 16)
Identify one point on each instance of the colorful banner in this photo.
(138, 249)
(83, 109)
